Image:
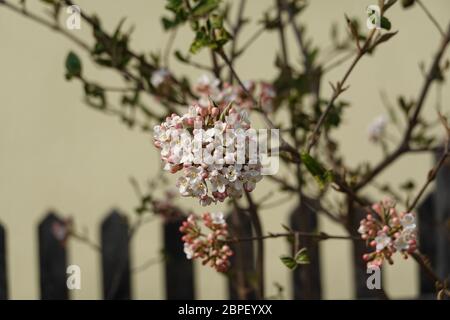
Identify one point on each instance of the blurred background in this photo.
(56, 153)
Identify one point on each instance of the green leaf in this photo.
(408, 185)
(385, 23)
(180, 14)
(201, 40)
(322, 176)
(385, 37)
(216, 21)
(407, 3)
(180, 57)
(405, 105)
(73, 65)
(269, 22)
(288, 262)
(174, 5)
(95, 95)
(335, 116)
(167, 23)
(205, 6)
(301, 257)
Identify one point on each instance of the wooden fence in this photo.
(433, 217)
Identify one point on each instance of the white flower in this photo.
(188, 251)
(388, 202)
(183, 186)
(232, 120)
(382, 241)
(159, 76)
(362, 229)
(408, 221)
(230, 158)
(193, 174)
(211, 85)
(232, 173)
(377, 128)
(218, 218)
(218, 183)
(402, 242)
(199, 189)
(245, 117)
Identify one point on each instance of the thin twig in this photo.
(337, 90)
(424, 264)
(404, 146)
(147, 264)
(431, 176)
(338, 62)
(284, 51)
(236, 31)
(256, 222)
(285, 146)
(300, 234)
(85, 239)
(431, 17)
(169, 46)
(249, 42)
(46, 23)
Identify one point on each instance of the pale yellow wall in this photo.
(57, 153)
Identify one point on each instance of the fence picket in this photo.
(427, 241)
(442, 218)
(242, 262)
(115, 257)
(52, 259)
(306, 280)
(360, 274)
(3, 279)
(433, 217)
(179, 271)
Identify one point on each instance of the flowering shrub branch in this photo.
(195, 124)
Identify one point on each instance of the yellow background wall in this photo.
(57, 153)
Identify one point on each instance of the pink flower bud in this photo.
(215, 112)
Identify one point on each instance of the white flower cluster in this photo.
(209, 88)
(207, 144)
(377, 128)
(159, 77)
(390, 232)
(409, 233)
(401, 241)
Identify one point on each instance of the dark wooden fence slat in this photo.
(3, 279)
(360, 274)
(115, 257)
(427, 241)
(442, 207)
(179, 271)
(242, 268)
(306, 279)
(52, 259)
